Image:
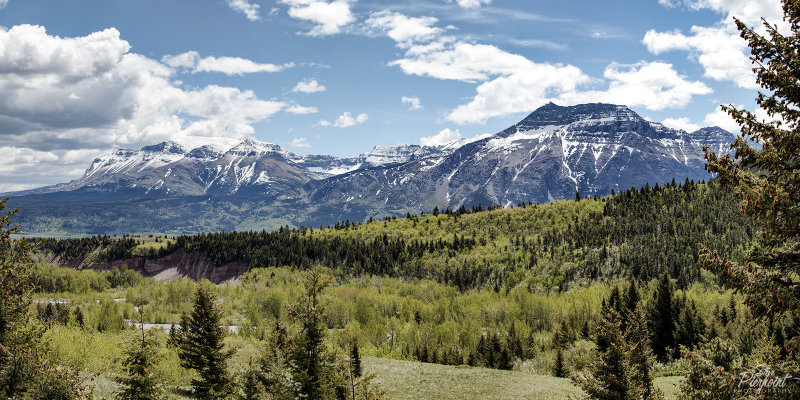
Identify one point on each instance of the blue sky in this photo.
(81, 78)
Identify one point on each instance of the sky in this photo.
(81, 78)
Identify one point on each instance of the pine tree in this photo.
(661, 319)
(640, 355)
(250, 387)
(140, 360)
(140, 381)
(201, 348)
(609, 378)
(355, 360)
(559, 369)
(311, 364)
(766, 178)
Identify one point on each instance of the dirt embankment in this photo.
(193, 265)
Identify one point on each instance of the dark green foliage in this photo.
(311, 364)
(355, 361)
(140, 381)
(610, 377)
(249, 384)
(636, 233)
(559, 369)
(201, 348)
(662, 319)
(25, 370)
(622, 368)
(690, 325)
(767, 179)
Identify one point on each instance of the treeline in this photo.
(98, 249)
(638, 234)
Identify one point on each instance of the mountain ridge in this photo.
(551, 154)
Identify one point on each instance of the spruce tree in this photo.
(140, 381)
(201, 348)
(609, 373)
(311, 364)
(661, 318)
(355, 360)
(765, 174)
(559, 369)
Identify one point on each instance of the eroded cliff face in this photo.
(180, 264)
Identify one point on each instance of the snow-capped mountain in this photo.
(552, 153)
(175, 169)
(379, 156)
(226, 166)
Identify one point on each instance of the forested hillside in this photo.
(639, 233)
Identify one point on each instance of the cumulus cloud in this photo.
(470, 3)
(192, 61)
(329, 18)
(309, 86)
(403, 29)
(90, 93)
(510, 83)
(413, 102)
(721, 119)
(718, 48)
(3, 3)
(444, 136)
(300, 110)
(300, 142)
(250, 10)
(681, 123)
(346, 120)
(653, 85)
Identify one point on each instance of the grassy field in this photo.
(410, 380)
(414, 380)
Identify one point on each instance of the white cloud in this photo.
(309, 86)
(250, 10)
(681, 123)
(90, 93)
(718, 48)
(470, 3)
(511, 83)
(329, 17)
(721, 119)
(3, 3)
(414, 102)
(447, 58)
(346, 120)
(191, 60)
(300, 142)
(444, 136)
(403, 29)
(653, 85)
(300, 110)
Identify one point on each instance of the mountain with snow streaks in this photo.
(551, 154)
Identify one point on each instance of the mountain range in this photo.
(551, 154)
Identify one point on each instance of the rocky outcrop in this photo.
(192, 265)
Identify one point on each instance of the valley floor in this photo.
(411, 380)
(415, 380)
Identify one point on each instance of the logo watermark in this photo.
(763, 379)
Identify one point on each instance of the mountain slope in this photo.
(551, 154)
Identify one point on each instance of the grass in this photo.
(419, 381)
(414, 380)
